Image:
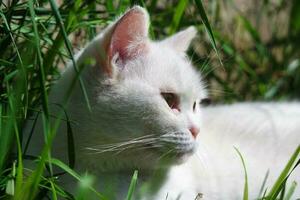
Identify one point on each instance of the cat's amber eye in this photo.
(171, 99)
(205, 102)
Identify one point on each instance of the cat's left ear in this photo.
(130, 34)
(126, 39)
(181, 40)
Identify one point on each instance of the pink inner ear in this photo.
(129, 36)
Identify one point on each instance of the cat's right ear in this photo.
(126, 39)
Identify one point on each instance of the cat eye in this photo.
(171, 99)
(205, 102)
(194, 106)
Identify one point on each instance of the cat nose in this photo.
(194, 131)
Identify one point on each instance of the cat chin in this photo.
(176, 158)
(182, 157)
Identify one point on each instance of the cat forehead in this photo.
(167, 70)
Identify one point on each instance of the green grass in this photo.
(245, 193)
(38, 37)
(278, 190)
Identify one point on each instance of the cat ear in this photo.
(126, 39)
(130, 34)
(181, 40)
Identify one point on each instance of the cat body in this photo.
(146, 115)
(266, 134)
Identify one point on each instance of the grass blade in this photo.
(284, 175)
(109, 6)
(291, 191)
(69, 48)
(13, 104)
(74, 174)
(251, 30)
(262, 189)
(70, 139)
(40, 60)
(245, 196)
(71, 146)
(179, 10)
(207, 27)
(54, 196)
(132, 185)
(33, 182)
(31, 133)
(1, 122)
(22, 68)
(10, 186)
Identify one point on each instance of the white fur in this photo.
(265, 133)
(127, 106)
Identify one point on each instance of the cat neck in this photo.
(148, 183)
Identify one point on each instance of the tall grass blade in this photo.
(1, 132)
(22, 69)
(14, 102)
(178, 12)
(74, 174)
(54, 196)
(33, 182)
(284, 175)
(294, 25)
(109, 6)
(69, 48)
(262, 189)
(13, 105)
(40, 61)
(282, 191)
(10, 186)
(291, 191)
(245, 196)
(70, 140)
(71, 146)
(251, 30)
(6, 137)
(132, 185)
(31, 133)
(207, 27)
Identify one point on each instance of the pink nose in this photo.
(194, 131)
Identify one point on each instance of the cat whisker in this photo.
(172, 134)
(200, 154)
(119, 147)
(201, 160)
(120, 144)
(126, 142)
(136, 146)
(141, 147)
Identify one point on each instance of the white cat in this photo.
(146, 114)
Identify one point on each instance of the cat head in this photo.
(147, 94)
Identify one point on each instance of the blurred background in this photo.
(258, 59)
(258, 42)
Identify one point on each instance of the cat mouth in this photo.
(180, 147)
(182, 156)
